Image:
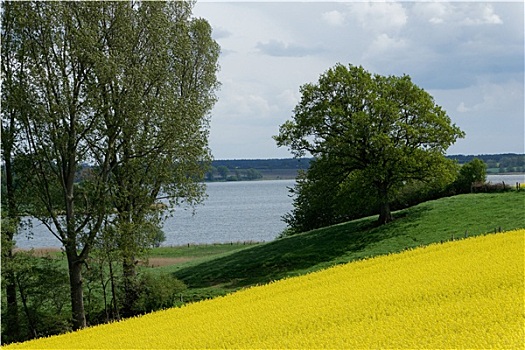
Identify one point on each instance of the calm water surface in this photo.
(233, 212)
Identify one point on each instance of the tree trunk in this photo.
(32, 333)
(114, 302)
(12, 324)
(130, 286)
(385, 216)
(75, 283)
(12, 327)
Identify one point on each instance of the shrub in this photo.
(473, 173)
(157, 292)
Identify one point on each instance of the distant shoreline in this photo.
(41, 251)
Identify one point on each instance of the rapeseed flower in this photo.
(461, 294)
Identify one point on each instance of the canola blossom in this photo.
(461, 294)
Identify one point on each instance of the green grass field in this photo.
(216, 270)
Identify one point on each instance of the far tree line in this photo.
(495, 163)
(223, 173)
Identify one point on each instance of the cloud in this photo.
(495, 97)
(289, 98)
(379, 17)
(484, 15)
(457, 14)
(491, 114)
(462, 108)
(384, 43)
(281, 49)
(334, 18)
(433, 12)
(441, 46)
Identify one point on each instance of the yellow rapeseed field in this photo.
(461, 294)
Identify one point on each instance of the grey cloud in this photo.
(280, 49)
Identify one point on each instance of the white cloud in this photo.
(383, 43)
(334, 18)
(495, 97)
(433, 12)
(220, 33)
(379, 17)
(491, 114)
(483, 15)
(457, 14)
(289, 98)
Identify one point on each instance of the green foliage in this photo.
(157, 291)
(505, 162)
(43, 297)
(240, 174)
(223, 172)
(252, 174)
(387, 128)
(326, 196)
(473, 172)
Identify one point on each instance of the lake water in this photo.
(233, 212)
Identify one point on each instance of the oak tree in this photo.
(384, 127)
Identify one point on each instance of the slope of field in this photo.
(426, 223)
(460, 294)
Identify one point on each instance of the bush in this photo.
(157, 292)
(42, 295)
(473, 173)
(490, 187)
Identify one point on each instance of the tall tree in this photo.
(385, 127)
(126, 87)
(157, 84)
(57, 132)
(13, 96)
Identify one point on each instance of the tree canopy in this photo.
(385, 128)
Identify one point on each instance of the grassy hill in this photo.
(433, 221)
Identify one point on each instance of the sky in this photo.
(468, 55)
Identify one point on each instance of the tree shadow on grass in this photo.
(272, 261)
